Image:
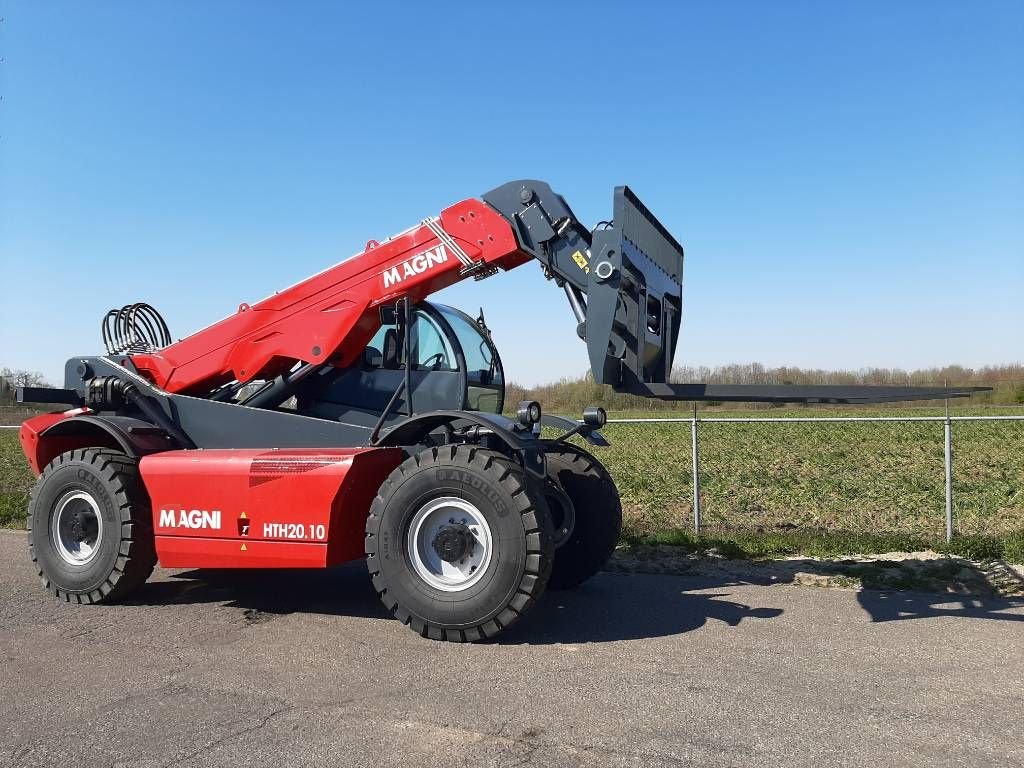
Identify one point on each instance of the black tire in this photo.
(597, 514)
(124, 552)
(511, 504)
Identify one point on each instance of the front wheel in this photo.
(587, 514)
(459, 542)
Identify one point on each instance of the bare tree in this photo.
(22, 378)
(10, 379)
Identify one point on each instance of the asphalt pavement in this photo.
(303, 668)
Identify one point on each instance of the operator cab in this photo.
(455, 366)
(447, 339)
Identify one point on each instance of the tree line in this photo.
(12, 379)
(572, 395)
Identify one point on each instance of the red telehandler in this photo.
(347, 416)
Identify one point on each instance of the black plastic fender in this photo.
(134, 437)
(413, 430)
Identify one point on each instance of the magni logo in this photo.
(415, 266)
(189, 518)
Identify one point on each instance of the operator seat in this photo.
(390, 351)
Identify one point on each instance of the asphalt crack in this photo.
(229, 737)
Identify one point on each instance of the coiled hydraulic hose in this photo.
(134, 328)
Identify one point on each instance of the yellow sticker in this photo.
(243, 547)
(581, 261)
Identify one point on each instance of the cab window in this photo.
(484, 377)
(431, 350)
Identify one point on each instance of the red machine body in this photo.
(300, 508)
(331, 316)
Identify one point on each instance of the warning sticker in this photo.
(581, 261)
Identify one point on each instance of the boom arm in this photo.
(330, 317)
(623, 282)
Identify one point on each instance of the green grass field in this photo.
(786, 488)
(855, 476)
(15, 480)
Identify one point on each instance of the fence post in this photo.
(696, 472)
(948, 434)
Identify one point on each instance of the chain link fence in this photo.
(925, 476)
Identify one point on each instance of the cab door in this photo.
(485, 378)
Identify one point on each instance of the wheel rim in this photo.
(449, 544)
(76, 527)
(563, 514)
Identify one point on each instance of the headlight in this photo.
(528, 412)
(595, 417)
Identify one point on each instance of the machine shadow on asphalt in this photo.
(629, 607)
(880, 603)
(608, 608)
(897, 606)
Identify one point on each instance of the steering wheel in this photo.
(435, 361)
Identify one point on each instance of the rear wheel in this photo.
(459, 542)
(90, 526)
(587, 514)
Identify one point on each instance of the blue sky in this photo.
(847, 178)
